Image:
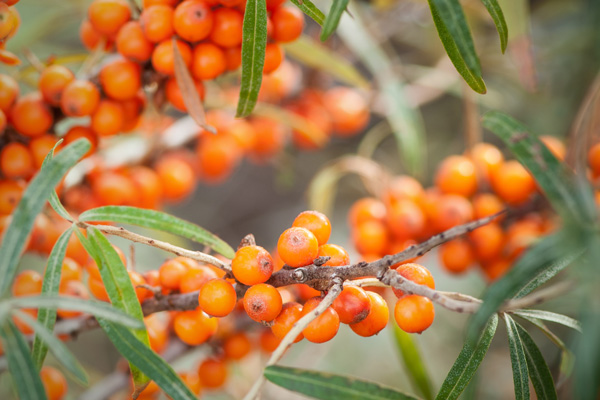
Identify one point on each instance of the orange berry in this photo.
(415, 273)
(555, 146)
(272, 5)
(39, 148)
(457, 175)
(138, 280)
(31, 116)
(16, 161)
(195, 277)
(371, 237)
(132, 43)
(237, 346)
(158, 332)
(520, 235)
(78, 132)
(487, 241)
(405, 187)
(252, 265)
(132, 109)
(262, 302)
(194, 327)
(227, 29)
(176, 177)
(486, 204)
(324, 327)
(366, 209)
(405, 220)
(456, 256)
(297, 247)
(74, 289)
(79, 98)
(107, 16)
(193, 20)
(316, 222)
(171, 274)
(157, 22)
(163, 57)
(121, 79)
(338, 256)
(273, 57)
(9, 91)
(217, 156)
(451, 210)
(91, 38)
(349, 111)
(377, 318)
(269, 138)
(513, 183)
(108, 118)
(593, 153)
(70, 270)
(174, 95)
(352, 305)
(267, 341)
(92, 268)
(27, 283)
(76, 251)
(290, 313)
(148, 185)
(114, 188)
(487, 158)
(288, 24)
(53, 81)
(414, 313)
(496, 268)
(55, 384)
(233, 58)
(97, 288)
(213, 373)
(217, 298)
(208, 61)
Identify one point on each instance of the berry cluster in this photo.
(9, 24)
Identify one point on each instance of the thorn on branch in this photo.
(319, 261)
(248, 240)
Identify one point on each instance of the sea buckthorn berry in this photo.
(316, 222)
(157, 22)
(137, 280)
(114, 188)
(9, 91)
(555, 146)
(324, 327)
(53, 81)
(405, 220)
(92, 268)
(213, 373)
(486, 204)
(520, 235)
(107, 16)
(366, 209)
(70, 271)
(158, 332)
(415, 273)
(132, 43)
(237, 346)
(593, 153)
(132, 109)
(273, 57)
(208, 61)
(78, 132)
(194, 327)
(290, 313)
(97, 288)
(31, 116)
(148, 184)
(79, 98)
(338, 256)
(217, 298)
(170, 3)
(487, 241)
(195, 277)
(227, 29)
(451, 210)
(39, 148)
(513, 183)
(349, 111)
(55, 384)
(171, 274)
(163, 56)
(269, 138)
(267, 341)
(121, 79)
(404, 187)
(352, 305)
(371, 237)
(457, 175)
(174, 95)
(177, 178)
(297, 247)
(288, 23)
(377, 318)
(456, 256)
(193, 20)
(262, 302)
(91, 38)
(496, 268)
(16, 161)
(414, 313)
(252, 265)
(27, 283)
(74, 289)
(108, 118)
(217, 157)
(233, 58)
(487, 159)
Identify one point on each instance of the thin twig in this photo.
(538, 297)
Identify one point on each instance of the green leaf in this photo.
(313, 54)
(453, 30)
(50, 285)
(148, 362)
(539, 373)
(160, 221)
(54, 200)
(311, 10)
(32, 202)
(254, 44)
(119, 288)
(498, 17)
(586, 375)
(468, 361)
(333, 18)
(552, 317)
(413, 362)
(96, 308)
(321, 385)
(517, 359)
(58, 348)
(24, 373)
(548, 273)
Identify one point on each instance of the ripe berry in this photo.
(486, 204)
(297, 247)
(91, 38)
(593, 154)
(456, 256)
(55, 384)
(267, 341)
(79, 98)
(366, 209)
(352, 305)
(173, 93)
(349, 111)
(217, 298)
(147, 183)
(227, 29)
(404, 187)
(158, 332)
(27, 283)
(371, 237)
(53, 80)
(171, 273)
(108, 118)
(78, 132)
(217, 157)
(513, 183)
(74, 289)
(405, 220)
(324, 327)
(208, 61)
(252, 265)
(315, 222)
(176, 177)
(377, 318)
(237, 346)
(157, 22)
(137, 280)
(193, 20)
(121, 79)
(9, 91)
(16, 161)
(31, 116)
(262, 302)
(487, 159)
(416, 273)
(288, 23)
(97, 288)
(70, 270)
(233, 58)
(213, 373)
(163, 57)
(269, 138)
(414, 313)
(338, 256)
(114, 188)
(194, 327)
(273, 57)
(487, 241)
(195, 277)
(555, 146)
(107, 16)
(39, 148)
(451, 210)
(457, 175)
(290, 313)
(132, 43)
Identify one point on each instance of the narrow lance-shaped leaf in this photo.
(54, 200)
(498, 17)
(58, 348)
(148, 362)
(539, 373)
(468, 361)
(552, 317)
(160, 221)
(413, 362)
(453, 30)
(333, 18)
(20, 365)
(254, 44)
(326, 386)
(50, 285)
(548, 273)
(311, 10)
(517, 360)
(32, 202)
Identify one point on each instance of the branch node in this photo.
(299, 275)
(319, 261)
